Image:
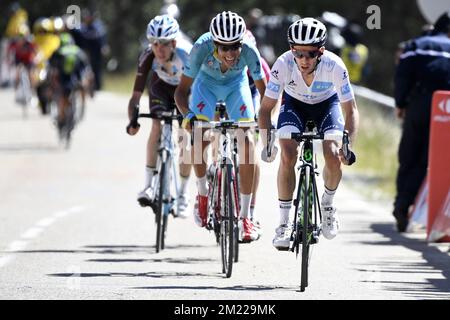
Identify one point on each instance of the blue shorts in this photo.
(294, 115)
(236, 95)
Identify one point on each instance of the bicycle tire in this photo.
(215, 204)
(235, 206)
(165, 206)
(227, 231)
(159, 211)
(305, 230)
(165, 219)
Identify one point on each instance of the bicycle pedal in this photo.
(144, 202)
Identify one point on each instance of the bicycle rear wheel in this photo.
(160, 210)
(306, 234)
(227, 231)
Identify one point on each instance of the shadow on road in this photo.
(116, 249)
(231, 288)
(134, 275)
(437, 263)
(187, 260)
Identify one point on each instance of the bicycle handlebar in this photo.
(297, 136)
(227, 124)
(349, 155)
(167, 116)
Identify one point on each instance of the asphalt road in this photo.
(70, 228)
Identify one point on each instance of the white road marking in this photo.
(34, 232)
(44, 223)
(16, 246)
(5, 260)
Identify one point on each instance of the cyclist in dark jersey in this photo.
(164, 61)
(67, 66)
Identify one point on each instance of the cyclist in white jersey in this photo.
(314, 84)
(166, 58)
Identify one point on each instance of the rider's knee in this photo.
(332, 160)
(289, 156)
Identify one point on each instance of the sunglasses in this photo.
(164, 43)
(232, 47)
(306, 54)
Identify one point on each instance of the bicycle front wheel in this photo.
(160, 210)
(227, 225)
(306, 232)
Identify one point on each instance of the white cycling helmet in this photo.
(307, 32)
(162, 28)
(227, 27)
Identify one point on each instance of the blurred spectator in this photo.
(47, 41)
(170, 8)
(16, 26)
(18, 18)
(423, 68)
(354, 53)
(335, 24)
(92, 39)
(267, 30)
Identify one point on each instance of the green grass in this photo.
(376, 148)
(119, 83)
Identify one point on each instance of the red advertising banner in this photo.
(438, 227)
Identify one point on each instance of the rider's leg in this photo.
(202, 103)
(286, 178)
(185, 162)
(286, 187)
(332, 172)
(246, 149)
(152, 152)
(200, 157)
(185, 167)
(332, 121)
(255, 189)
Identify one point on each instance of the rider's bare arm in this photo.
(134, 100)
(265, 111)
(261, 86)
(144, 67)
(182, 94)
(351, 114)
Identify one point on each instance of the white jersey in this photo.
(331, 77)
(176, 64)
(171, 71)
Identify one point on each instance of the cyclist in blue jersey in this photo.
(164, 59)
(314, 84)
(217, 70)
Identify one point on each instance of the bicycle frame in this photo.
(308, 215)
(166, 153)
(166, 173)
(223, 192)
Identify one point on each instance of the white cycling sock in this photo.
(149, 173)
(327, 197)
(285, 208)
(184, 183)
(245, 205)
(202, 185)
